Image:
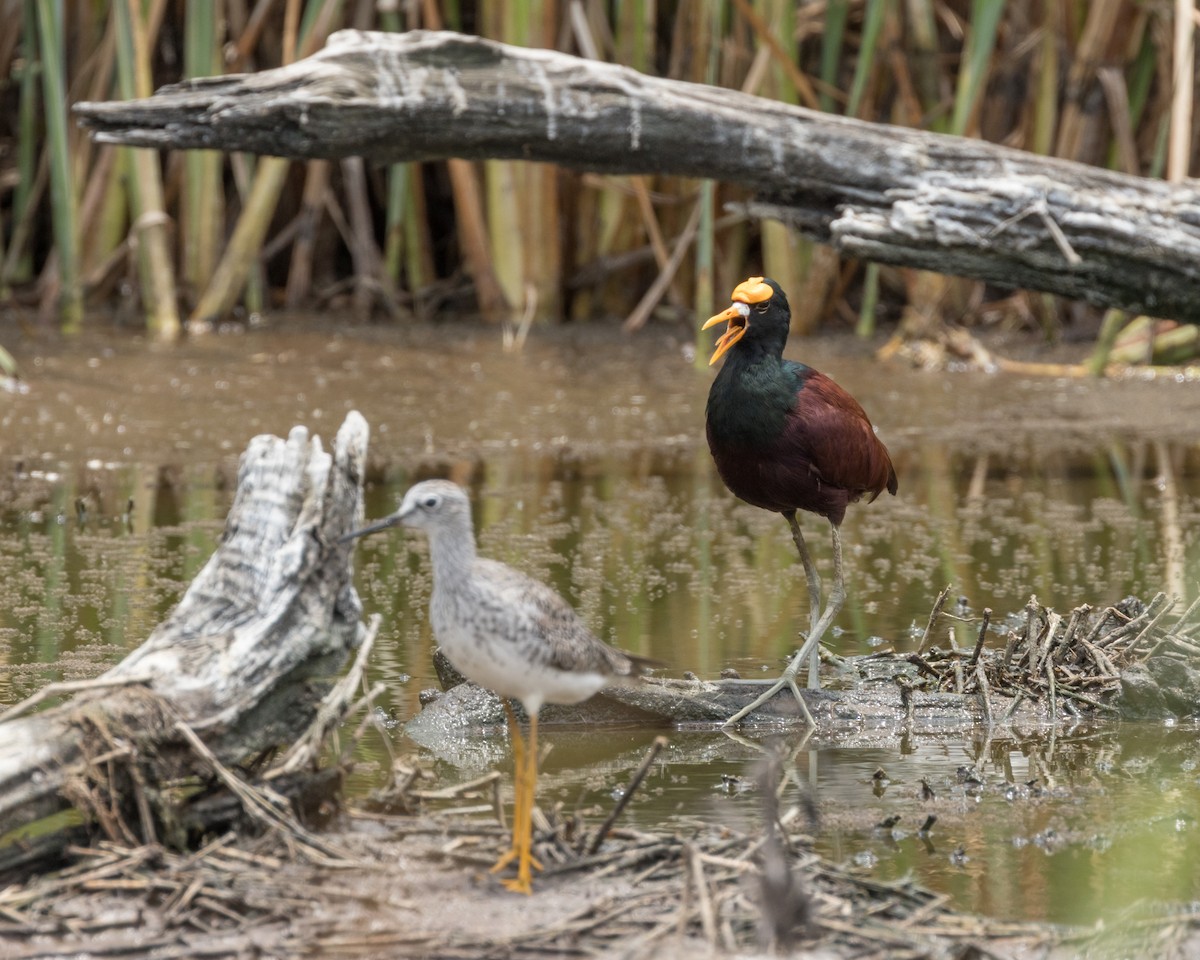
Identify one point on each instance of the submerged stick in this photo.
(983, 627)
(933, 616)
(984, 693)
(638, 776)
(334, 708)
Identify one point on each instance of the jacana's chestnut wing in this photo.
(829, 431)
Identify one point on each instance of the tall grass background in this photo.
(89, 233)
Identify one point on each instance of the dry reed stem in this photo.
(1182, 73)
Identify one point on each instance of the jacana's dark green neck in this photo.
(751, 397)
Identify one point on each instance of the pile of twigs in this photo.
(148, 902)
(1070, 663)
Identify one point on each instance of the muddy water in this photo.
(585, 458)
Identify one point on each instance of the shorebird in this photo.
(785, 437)
(507, 632)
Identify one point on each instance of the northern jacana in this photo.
(507, 632)
(786, 438)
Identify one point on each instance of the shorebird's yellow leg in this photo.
(524, 758)
(518, 749)
(523, 827)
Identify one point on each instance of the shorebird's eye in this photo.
(429, 502)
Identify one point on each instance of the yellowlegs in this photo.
(507, 632)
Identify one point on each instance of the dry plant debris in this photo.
(1071, 664)
(237, 898)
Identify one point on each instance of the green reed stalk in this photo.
(836, 12)
(1141, 77)
(635, 34)
(923, 56)
(156, 271)
(62, 183)
(1045, 107)
(1114, 320)
(27, 140)
(705, 298)
(393, 238)
(784, 251)
(397, 189)
(232, 275)
(868, 49)
(469, 212)
(1145, 69)
(985, 23)
(203, 194)
(241, 252)
(522, 198)
(1158, 159)
(873, 20)
(865, 327)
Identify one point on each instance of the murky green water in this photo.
(587, 467)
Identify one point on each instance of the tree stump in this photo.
(241, 663)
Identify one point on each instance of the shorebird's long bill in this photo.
(733, 333)
(373, 528)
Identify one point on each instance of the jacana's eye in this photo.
(763, 307)
(429, 502)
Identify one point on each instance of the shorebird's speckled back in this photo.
(499, 627)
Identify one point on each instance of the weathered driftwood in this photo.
(238, 667)
(844, 717)
(873, 191)
(1049, 671)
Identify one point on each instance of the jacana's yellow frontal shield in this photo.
(752, 291)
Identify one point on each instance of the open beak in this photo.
(736, 316)
(373, 528)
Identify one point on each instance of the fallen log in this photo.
(1050, 671)
(873, 191)
(238, 668)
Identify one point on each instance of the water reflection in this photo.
(661, 560)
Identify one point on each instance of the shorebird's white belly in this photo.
(498, 665)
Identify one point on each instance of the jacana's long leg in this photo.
(810, 571)
(810, 646)
(814, 600)
(836, 598)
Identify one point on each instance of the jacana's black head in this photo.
(760, 316)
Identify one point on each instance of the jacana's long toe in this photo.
(788, 679)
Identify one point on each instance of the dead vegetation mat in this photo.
(416, 886)
(1130, 659)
